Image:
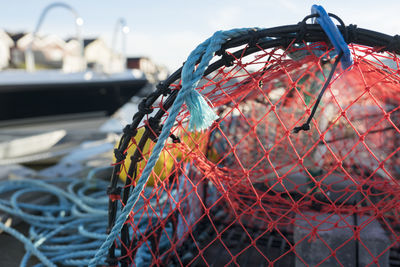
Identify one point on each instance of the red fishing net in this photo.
(251, 192)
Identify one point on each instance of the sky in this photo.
(168, 30)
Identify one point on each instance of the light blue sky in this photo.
(167, 30)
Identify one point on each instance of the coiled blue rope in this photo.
(28, 245)
(70, 229)
(202, 116)
(59, 232)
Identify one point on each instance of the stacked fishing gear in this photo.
(271, 146)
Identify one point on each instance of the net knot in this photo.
(227, 59)
(175, 139)
(253, 40)
(304, 127)
(119, 155)
(163, 89)
(128, 130)
(352, 35)
(114, 193)
(154, 127)
(394, 45)
(144, 108)
(302, 31)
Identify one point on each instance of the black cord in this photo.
(279, 35)
(306, 126)
(357, 260)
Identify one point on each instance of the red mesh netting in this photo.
(250, 192)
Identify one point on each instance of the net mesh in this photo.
(251, 192)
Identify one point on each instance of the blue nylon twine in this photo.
(202, 116)
(334, 35)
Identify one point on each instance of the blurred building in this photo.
(141, 63)
(153, 71)
(48, 50)
(52, 47)
(73, 61)
(52, 52)
(97, 54)
(17, 58)
(5, 49)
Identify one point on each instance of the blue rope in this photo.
(71, 229)
(334, 35)
(74, 222)
(28, 244)
(201, 114)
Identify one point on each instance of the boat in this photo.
(51, 92)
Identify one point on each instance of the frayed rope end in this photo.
(202, 115)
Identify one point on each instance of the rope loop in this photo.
(114, 193)
(154, 127)
(144, 108)
(333, 34)
(163, 89)
(302, 31)
(394, 45)
(352, 35)
(253, 40)
(119, 155)
(129, 131)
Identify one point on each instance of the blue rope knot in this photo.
(334, 35)
(201, 114)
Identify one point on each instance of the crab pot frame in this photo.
(249, 190)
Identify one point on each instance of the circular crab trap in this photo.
(300, 168)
